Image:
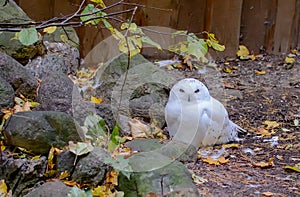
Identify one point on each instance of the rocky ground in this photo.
(269, 90)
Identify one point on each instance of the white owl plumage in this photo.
(196, 118)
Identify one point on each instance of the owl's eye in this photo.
(196, 91)
(181, 90)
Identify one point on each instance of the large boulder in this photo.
(138, 90)
(50, 189)
(60, 57)
(39, 131)
(91, 169)
(55, 93)
(22, 81)
(155, 173)
(12, 13)
(6, 95)
(21, 174)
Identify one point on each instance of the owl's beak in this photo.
(189, 98)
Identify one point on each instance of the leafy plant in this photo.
(195, 46)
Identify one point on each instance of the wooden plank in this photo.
(295, 37)
(283, 28)
(191, 15)
(223, 18)
(38, 10)
(254, 24)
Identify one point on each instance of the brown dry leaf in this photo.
(7, 113)
(138, 129)
(264, 164)
(70, 183)
(271, 124)
(264, 132)
(188, 60)
(262, 72)
(112, 177)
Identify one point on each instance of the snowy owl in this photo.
(196, 118)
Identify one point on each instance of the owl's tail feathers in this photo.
(239, 129)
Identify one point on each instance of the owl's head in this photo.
(189, 90)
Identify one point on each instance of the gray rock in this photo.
(21, 174)
(66, 32)
(22, 81)
(12, 13)
(38, 131)
(105, 112)
(50, 189)
(173, 150)
(55, 93)
(6, 95)
(91, 169)
(65, 162)
(158, 174)
(138, 91)
(60, 57)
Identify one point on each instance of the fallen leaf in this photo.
(268, 194)
(264, 164)
(264, 132)
(70, 183)
(138, 129)
(222, 160)
(230, 146)
(64, 175)
(198, 180)
(96, 100)
(243, 52)
(289, 60)
(295, 168)
(3, 188)
(271, 124)
(213, 161)
(112, 177)
(262, 72)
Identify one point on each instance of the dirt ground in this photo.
(270, 90)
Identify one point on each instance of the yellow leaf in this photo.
(2, 147)
(3, 188)
(16, 37)
(211, 161)
(37, 157)
(230, 146)
(64, 175)
(222, 160)
(50, 29)
(289, 60)
(260, 72)
(64, 38)
(96, 100)
(271, 124)
(99, 2)
(101, 191)
(243, 52)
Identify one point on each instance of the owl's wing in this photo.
(172, 116)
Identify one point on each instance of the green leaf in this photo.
(95, 126)
(120, 165)
(28, 36)
(215, 45)
(294, 168)
(132, 44)
(80, 148)
(114, 139)
(198, 49)
(148, 40)
(90, 8)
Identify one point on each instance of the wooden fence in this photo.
(271, 25)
